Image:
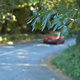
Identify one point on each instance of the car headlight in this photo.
(57, 38)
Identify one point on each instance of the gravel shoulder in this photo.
(55, 70)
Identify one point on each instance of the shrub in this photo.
(69, 61)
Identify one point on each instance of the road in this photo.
(23, 61)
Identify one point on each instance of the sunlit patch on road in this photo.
(52, 79)
(28, 60)
(36, 65)
(8, 46)
(47, 45)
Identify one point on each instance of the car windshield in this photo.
(54, 34)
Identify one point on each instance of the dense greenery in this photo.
(69, 61)
(43, 15)
(10, 39)
(64, 17)
(13, 14)
(56, 17)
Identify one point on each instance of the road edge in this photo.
(55, 70)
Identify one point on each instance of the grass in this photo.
(5, 39)
(69, 62)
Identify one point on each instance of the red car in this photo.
(53, 37)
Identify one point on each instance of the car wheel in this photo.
(63, 41)
(44, 42)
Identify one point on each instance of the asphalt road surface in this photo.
(23, 61)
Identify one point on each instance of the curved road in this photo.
(23, 61)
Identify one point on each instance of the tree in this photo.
(6, 16)
(13, 14)
(63, 18)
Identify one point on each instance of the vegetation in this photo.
(13, 14)
(69, 61)
(63, 18)
(10, 39)
(44, 15)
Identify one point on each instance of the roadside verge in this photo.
(55, 70)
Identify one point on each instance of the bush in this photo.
(69, 61)
(19, 37)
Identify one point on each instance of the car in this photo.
(53, 37)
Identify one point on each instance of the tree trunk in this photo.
(4, 27)
(78, 2)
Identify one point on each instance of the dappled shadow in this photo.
(26, 58)
(21, 59)
(18, 59)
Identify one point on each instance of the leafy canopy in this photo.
(54, 19)
(63, 17)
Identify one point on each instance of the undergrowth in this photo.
(69, 61)
(20, 37)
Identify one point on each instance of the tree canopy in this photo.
(14, 13)
(63, 15)
(51, 14)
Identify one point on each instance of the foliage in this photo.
(61, 4)
(13, 13)
(59, 18)
(54, 19)
(4, 39)
(78, 36)
(69, 61)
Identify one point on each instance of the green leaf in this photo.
(30, 21)
(38, 19)
(70, 25)
(43, 26)
(65, 30)
(49, 24)
(30, 18)
(40, 11)
(57, 25)
(38, 26)
(61, 16)
(44, 17)
(66, 20)
(61, 11)
(61, 27)
(68, 12)
(35, 12)
(53, 23)
(43, 11)
(54, 12)
(77, 20)
(45, 20)
(55, 17)
(75, 14)
(33, 24)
